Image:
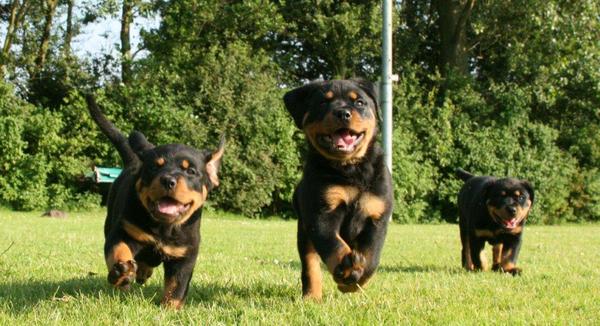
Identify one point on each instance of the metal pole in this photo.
(386, 82)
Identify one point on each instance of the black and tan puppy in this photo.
(344, 198)
(154, 209)
(492, 210)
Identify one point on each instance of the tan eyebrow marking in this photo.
(160, 161)
(185, 164)
(352, 95)
(329, 95)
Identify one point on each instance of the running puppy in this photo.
(492, 210)
(344, 199)
(154, 209)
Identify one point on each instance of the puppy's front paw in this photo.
(514, 271)
(350, 269)
(122, 274)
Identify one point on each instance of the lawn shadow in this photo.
(26, 295)
(413, 269)
(223, 294)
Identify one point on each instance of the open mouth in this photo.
(511, 224)
(170, 208)
(508, 224)
(342, 140)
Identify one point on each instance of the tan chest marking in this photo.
(338, 195)
(489, 234)
(137, 233)
(143, 237)
(484, 233)
(371, 206)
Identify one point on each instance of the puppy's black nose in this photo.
(343, 114)
(168, 182)
(511, 210)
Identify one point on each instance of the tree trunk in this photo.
(69, 29)
(126, 19)
(40, 60)
(453, 16)
(17, 14)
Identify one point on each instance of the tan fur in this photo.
(313, 270)
(168, 300)
(119, 253)
(339, 195)
(466, 248)
(371, 206)
(212, 166)
(497, 254)
(484, 233)
(150, 194)
(174, 251)
(336, 258)
(137, 233)
(185, 164)
(330, 124)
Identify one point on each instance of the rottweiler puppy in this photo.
(492, 210)
(154, 209)
(344, 199)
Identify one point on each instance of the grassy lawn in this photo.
(248, 273)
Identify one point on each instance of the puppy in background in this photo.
(492, 210)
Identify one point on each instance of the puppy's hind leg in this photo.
(467, 261)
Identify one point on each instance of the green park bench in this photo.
(104, 175)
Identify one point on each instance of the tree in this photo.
(329, 39)
(126, 20)
(453, 17)
(49, 7)
(18, 10)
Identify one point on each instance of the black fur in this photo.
(147, 221)
(493, 210)
(346, 228)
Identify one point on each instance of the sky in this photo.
(103, 36)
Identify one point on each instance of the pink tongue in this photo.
(510, 223)
(169, 207)
(344, 138)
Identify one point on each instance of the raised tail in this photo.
(114, 135)
(464, 175)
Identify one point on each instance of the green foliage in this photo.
(329, 39)
(39, 157)
(495, 138)
(527, 107)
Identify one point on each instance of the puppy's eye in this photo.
(359, 103)
(191, 171)
(522, 198)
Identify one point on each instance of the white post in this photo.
(386, 82)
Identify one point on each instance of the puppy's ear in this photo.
(529, 188)
(485, 192)
(371, 89)
(139, 143)
(213, 163)
(297, 101)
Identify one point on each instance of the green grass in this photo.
(248, 273)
